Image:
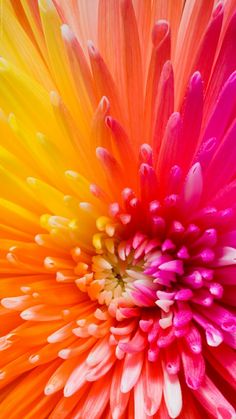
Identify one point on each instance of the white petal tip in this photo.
(67, 33)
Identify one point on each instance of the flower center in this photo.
(170, 269)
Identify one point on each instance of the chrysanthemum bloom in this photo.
(117, 209)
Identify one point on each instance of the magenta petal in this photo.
(219, 173)
(225, 64)
(223, 111)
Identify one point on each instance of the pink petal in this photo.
(172, 394)
(193, 187)
(194, 368)
(192, 120)
(131, 371)
(160, 54)
(207, 48)
(152, 387)
(164, 106)
(213, 400)
(118, 400)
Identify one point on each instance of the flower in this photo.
(117, 209)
